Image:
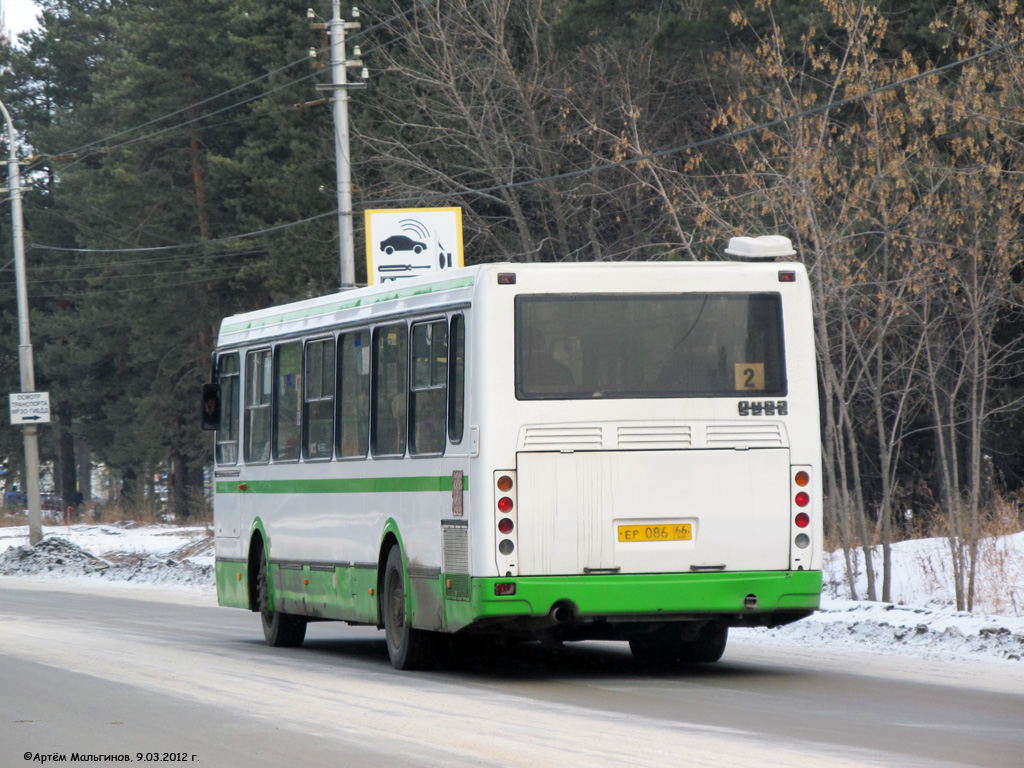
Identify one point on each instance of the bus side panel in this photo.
(232, 577)
(324, 546)
(230, 568)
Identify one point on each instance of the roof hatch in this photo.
(763, 248)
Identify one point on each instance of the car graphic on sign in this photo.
(401, 243)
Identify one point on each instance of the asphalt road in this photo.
(176, 679)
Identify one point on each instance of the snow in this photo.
(921, 622)
(923, 574)
(922, 619)
(922, 632)
(162, 555)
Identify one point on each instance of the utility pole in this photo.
(28, 376)
(340, 87)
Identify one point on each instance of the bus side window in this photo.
(318, 401)
(227, 435)
(258, 382)
(287, 411)
(353, 399)
(390, 390)
(456, 379)
(429, 384)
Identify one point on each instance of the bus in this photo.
(560, 451)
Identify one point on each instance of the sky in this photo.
(19, 15)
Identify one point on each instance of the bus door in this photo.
(227, 474)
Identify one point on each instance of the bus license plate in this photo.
(672, 532)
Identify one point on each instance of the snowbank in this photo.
(922, 622)
(922, 574)
(155, 555)
(923, 632)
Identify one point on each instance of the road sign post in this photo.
(35, 527)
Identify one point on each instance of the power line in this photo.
(198, 118)
(732, 135)
(133, 263)
(209, 99)
(184, 109)
(229, 273)
(197, 244)
(724, 137)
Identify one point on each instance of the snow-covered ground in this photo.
(126, 553)
(922, 620)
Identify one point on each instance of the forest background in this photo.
(174, 182)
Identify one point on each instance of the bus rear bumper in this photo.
(736, 598)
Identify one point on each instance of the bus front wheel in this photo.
(407, 647)
(281, 630)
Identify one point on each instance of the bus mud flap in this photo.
(428, 597)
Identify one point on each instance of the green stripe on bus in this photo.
(300, 314)
(345, 485)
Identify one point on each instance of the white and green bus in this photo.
(625, 451)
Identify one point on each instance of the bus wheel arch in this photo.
(256, 554)
(408, 648)
(281, 630)
(389, 542)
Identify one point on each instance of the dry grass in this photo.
(200, 512)
(1003, 517)
(10, 519)
(999, 572)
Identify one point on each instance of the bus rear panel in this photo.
(660, 448)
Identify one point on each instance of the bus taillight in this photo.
(801, 519)
(505, 522)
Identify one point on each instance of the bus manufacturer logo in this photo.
(763, 408)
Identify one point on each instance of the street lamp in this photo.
(28, 376)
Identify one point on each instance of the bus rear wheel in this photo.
(408, 648)
(666, 646)
(281, 630)
(658, 648)
(707, 647)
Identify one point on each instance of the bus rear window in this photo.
(582, 346)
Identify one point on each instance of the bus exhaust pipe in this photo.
(561, 614)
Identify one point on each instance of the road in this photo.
(150, 672)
